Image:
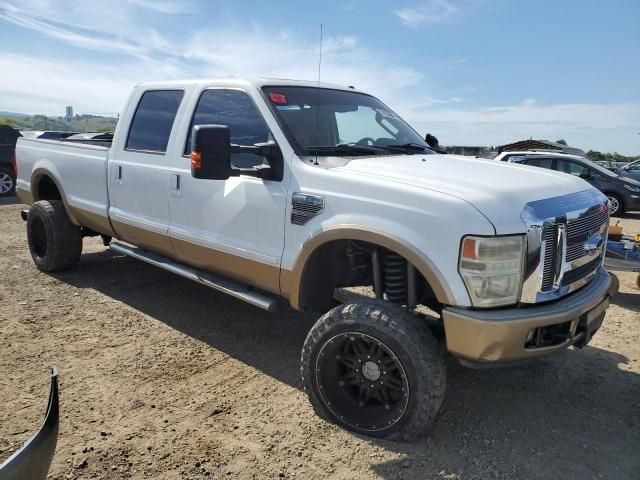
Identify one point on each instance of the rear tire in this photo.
(374, 369)
(616, 206)
(54, 242)
(7, 183)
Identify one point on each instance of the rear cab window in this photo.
(153, 120)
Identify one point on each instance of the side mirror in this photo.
(211, 152)
(586, 176)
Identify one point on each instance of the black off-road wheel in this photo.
(375, 369)
(54, 242)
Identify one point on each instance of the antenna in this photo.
(320, 56)
(318, 98)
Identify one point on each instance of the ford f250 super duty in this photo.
(278, 189)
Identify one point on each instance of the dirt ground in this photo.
(164, 378)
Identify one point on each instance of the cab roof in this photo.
(243, 82)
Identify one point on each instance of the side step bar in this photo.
(223, 285)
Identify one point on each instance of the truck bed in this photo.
(80, 171)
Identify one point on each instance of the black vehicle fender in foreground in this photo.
(32, 461)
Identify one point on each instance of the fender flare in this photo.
(291, 282)
(37, 174)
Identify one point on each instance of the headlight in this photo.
(631, 188)
(491, 268)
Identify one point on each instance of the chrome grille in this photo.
(583, 226)
(550, 237)
(578, 231)
(566, 239)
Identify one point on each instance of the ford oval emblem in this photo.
(593, 243)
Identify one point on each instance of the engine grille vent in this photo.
(305, 207)
(550, 253)
(580, 229)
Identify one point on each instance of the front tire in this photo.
(616, 206)
(54, 242)
(7, 183)
(374, 369)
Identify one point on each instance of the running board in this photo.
(223, 285)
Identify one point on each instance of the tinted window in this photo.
(515, 158)
(539, 162)
(634, 166)
(236, 110)
(572, 167)
(152, 122)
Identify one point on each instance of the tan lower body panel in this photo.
(250, 272)
(24, 196)
(140, 237)
(97, 223)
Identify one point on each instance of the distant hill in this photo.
(4, 113)
(80, 123)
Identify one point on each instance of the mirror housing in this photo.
(211, 155)
(585, 175)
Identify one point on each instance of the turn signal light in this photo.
(196, 160)
(469, 248)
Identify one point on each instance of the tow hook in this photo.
(24, 214)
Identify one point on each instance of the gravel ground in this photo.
(164, 378)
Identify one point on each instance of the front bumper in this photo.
(489, 336)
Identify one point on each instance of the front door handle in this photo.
(175, 181)
(117, 174)
(174, 184)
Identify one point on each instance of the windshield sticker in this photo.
(278, 98)
(386, 113)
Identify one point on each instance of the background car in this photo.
(8, 138)
(623, 192)
(630, 170)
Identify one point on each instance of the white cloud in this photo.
(606, 127)
(96, 84)
(428, 11)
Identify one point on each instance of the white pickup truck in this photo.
(279, 189)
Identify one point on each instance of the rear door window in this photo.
(151, 125)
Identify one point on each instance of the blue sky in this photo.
(472, 72)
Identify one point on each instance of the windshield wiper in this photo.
(407, 147)
(345, 148)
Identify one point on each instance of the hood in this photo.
(629, 180)
(499, 190)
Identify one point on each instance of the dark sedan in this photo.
(631, 170)
(623, 192)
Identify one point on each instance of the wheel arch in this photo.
(293, 282)
(46, 186)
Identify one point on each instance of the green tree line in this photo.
(596, 156)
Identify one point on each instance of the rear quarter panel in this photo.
(79, 171)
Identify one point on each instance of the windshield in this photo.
(600, 169)
(347, 123)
